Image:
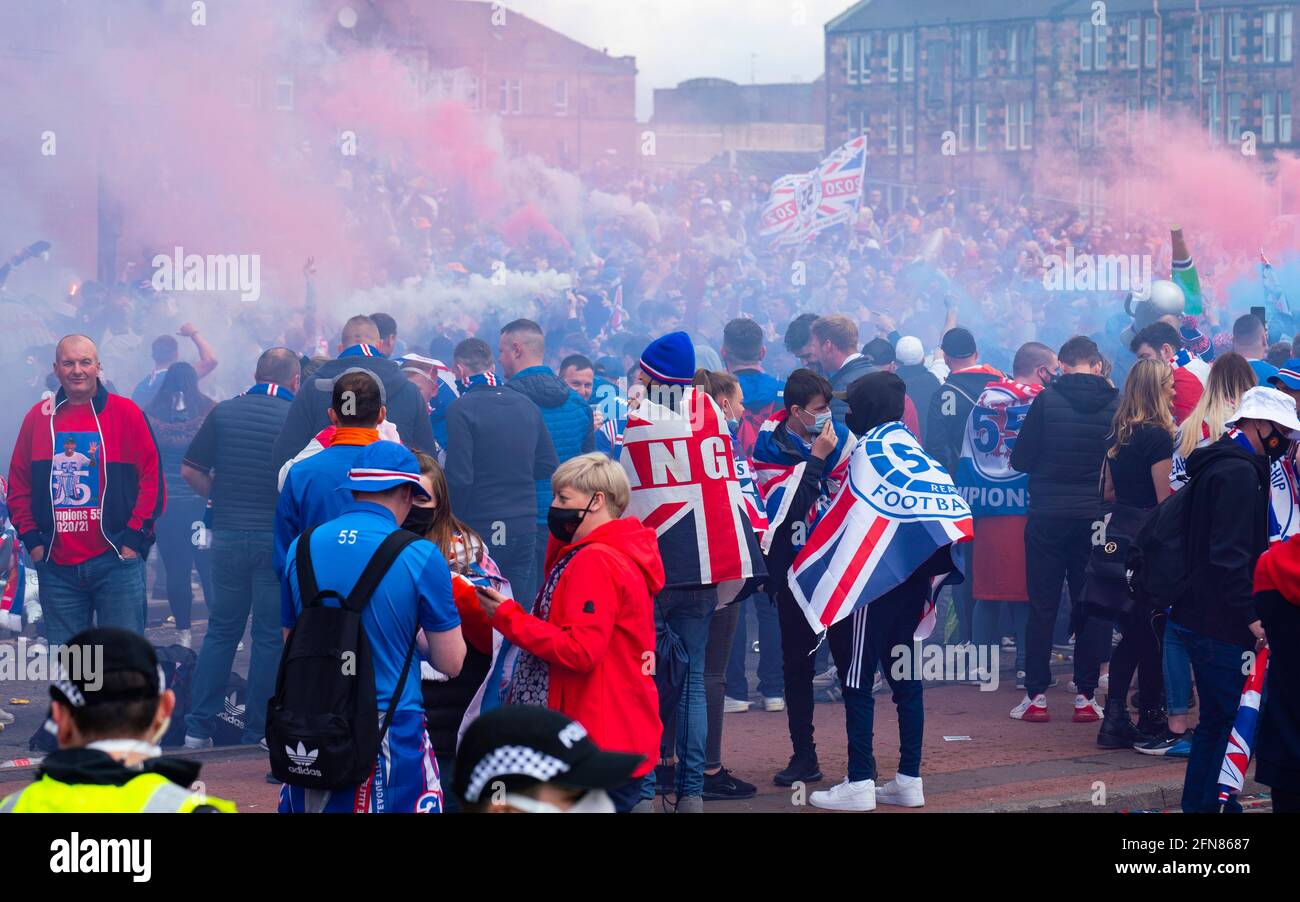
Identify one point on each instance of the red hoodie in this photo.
(598, 636)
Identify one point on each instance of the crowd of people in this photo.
(578, 560)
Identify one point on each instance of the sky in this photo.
(674, 40)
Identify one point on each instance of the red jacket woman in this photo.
(587, 648)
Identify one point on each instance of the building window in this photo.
(1213, 116)
(1283, 117)
(284, 92)
(1027, 50)
(1093, 52)
(1151, 45)
(866, 44)
(851, 60)
(909, 56)
(909, 130)
(981, 52)
(1212, 35)
(1133, 43)
(1026, 124)
(1012, 126)
(1236, 36)
(1092, 130)
(1234, 118)
(471, 92)
(864, 128)
(980, 114)
(963, 127)
(561, 98)
(894, 55)
(891, 131)
(1183, 51)
(512, 96)
(1277, 36)
(247, 96)
(965, 54)
(1268, 120)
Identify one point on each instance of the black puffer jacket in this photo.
(1061, 445)
(949, 409)
(1227, 531)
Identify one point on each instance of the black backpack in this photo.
(1156, 567)
(322, 724)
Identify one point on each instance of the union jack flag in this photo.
(778, 477)
(897, 507)
(681, 465)
(804, 204)
(1232, 773)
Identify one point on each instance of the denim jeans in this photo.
(175, 531)
(687, 612)
(244, 580)
(103, 591)
(990, 624)
(1178, 672)
(1219, 679)
(771, 683)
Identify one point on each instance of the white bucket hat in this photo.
(1268, 404)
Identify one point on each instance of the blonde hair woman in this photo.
(1136, 479)
(1230, 377)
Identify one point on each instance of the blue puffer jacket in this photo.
(567, 417)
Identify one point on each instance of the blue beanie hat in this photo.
(670, 358)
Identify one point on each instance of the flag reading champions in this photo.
(895, 510)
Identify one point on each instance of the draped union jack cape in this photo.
(682, 469)
(894, 511)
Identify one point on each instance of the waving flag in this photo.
(682, 469)
(1273, 292)
(777, 478)
(895, 510)
(1232, 774)
(802, 205)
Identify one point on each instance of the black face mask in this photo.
(419, 520)
(1276, 444)
(563, 521)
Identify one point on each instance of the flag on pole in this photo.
(1232, 773)
(897, 507)
(1273, 292)
(804, 204)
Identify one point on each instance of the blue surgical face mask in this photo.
(819, 422)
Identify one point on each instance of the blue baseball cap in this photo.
(382, 466)
(1288, 375)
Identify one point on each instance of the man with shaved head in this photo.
(85, 488)
(359, 346)
(567, 416)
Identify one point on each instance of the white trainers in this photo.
(734, 705)
(184, 639)
(194, 742)
(773, 704)
(847, 796)
(905, 795)
(5, 717)
(1032, 710)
